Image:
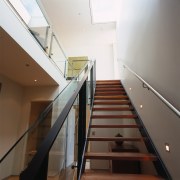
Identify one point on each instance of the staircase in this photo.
(113, 105)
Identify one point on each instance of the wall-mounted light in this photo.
(167, 147)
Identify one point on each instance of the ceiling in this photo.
(18, 66)
(67, 16)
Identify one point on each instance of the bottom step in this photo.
(105, 176)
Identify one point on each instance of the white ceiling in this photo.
(71, 15)
(18, 66)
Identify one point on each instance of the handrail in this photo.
(46, 145)
(149, 87)
(39, 119)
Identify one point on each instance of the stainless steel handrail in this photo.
(149, 87)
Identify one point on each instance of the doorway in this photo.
(37, 135)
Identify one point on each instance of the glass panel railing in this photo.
(40, 33)
(26, 148)
(57, 154)
(73, 117)
(62, 155)
(57, 55)
(75, 66)
(33, 17)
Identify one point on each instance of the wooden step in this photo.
(130, 116)
(116, 126)
(112, 103)
(108, 82)
(115, 139)
(107, 93)
(111, 176)
(109, 89)
(120, 156)
(110, 97)
(113, 109)
(107, 86)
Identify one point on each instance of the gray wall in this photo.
(149, 43)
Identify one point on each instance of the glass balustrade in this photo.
(32, 15)
(63, 153)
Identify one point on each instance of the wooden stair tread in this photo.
(117, 102)
(113, 116)
(111, 176)
(110, 97)
(108, 82)
(107, 93)
(112, 85)
(113, 109)
(115, 139)
(132, 156)
(116, 126)
(109, 89)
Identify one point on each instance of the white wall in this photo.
(10, 117)
(148, 42)
(15, 104)
(96, 43)
(10, 112)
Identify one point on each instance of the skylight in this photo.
(104, 11)
(32, 7)
(30, 12)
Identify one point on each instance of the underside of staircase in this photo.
(124, 154)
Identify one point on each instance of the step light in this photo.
(141, 106)
(167, 147)
(130, 89)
